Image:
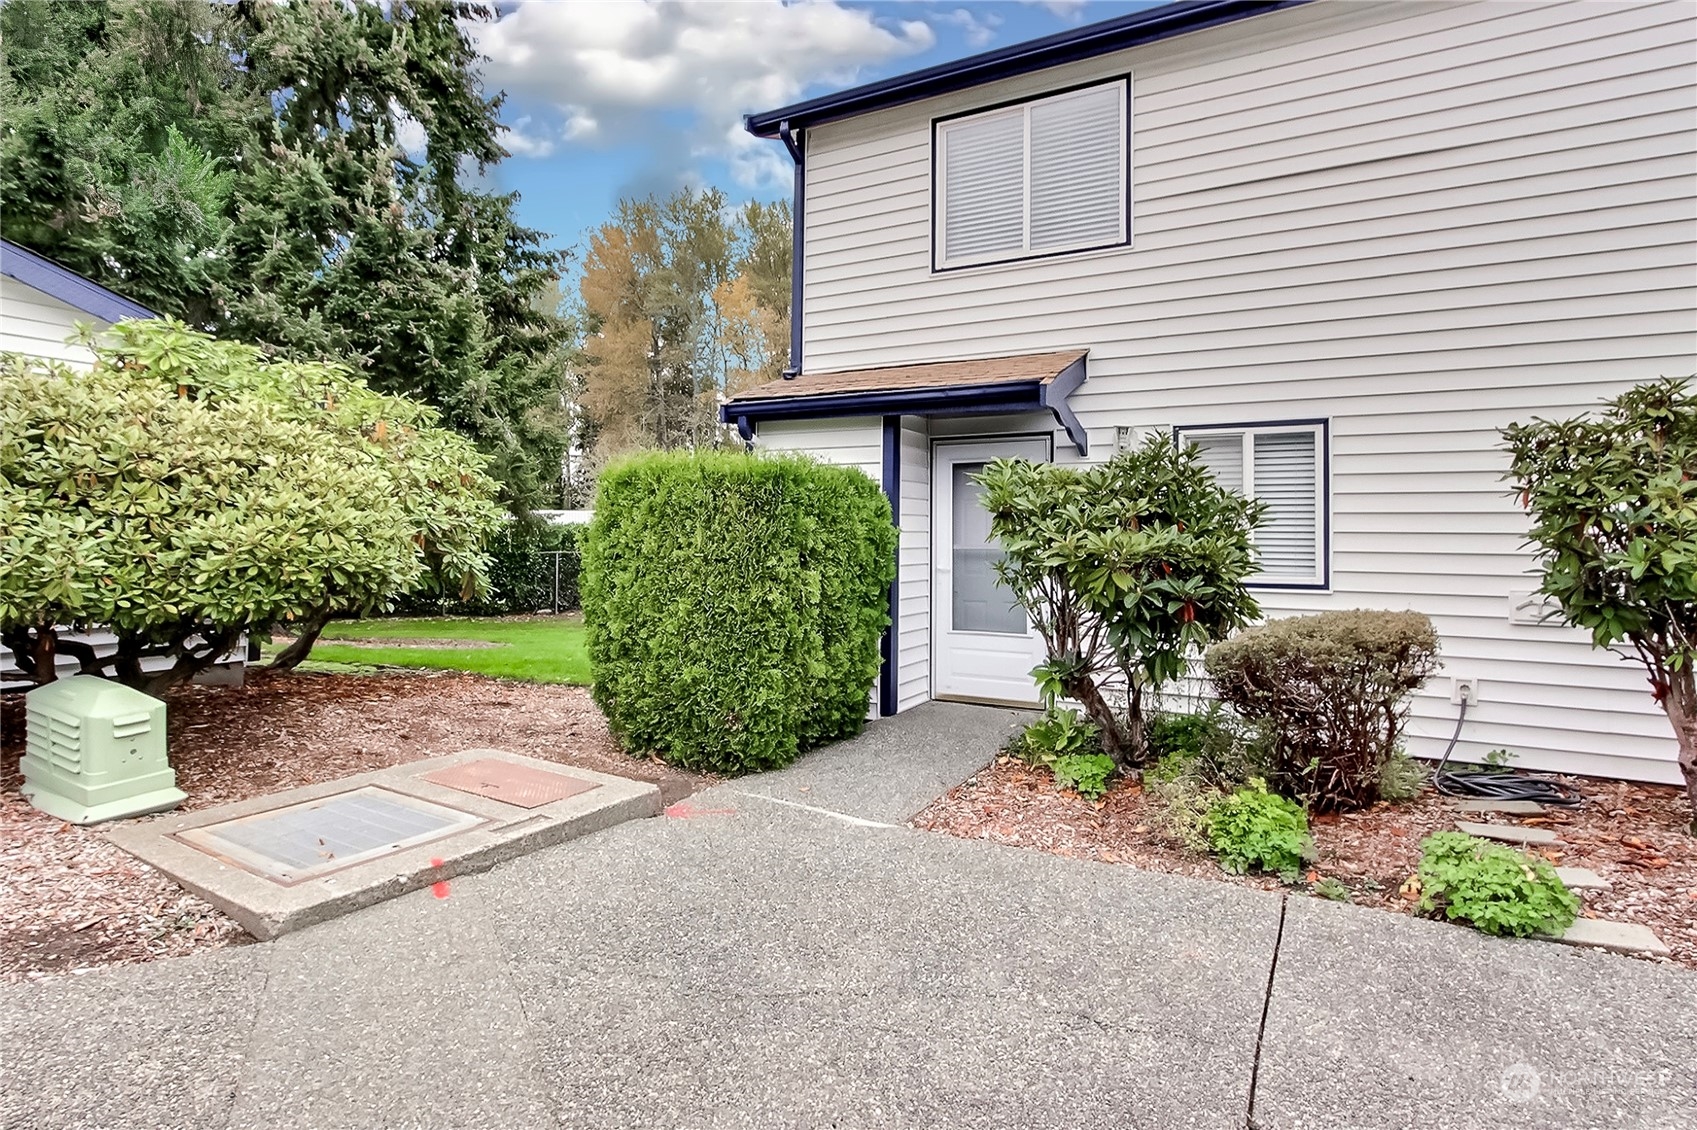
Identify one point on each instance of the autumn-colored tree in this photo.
(682, 301)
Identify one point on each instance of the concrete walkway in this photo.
(779, 955)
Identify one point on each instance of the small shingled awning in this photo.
(1031, 382)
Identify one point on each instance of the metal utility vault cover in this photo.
(519, 785)
(303, 841)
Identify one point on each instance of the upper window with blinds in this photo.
(1039, 178)
(1283, 465)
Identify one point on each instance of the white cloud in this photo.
(977, 30)
(520, 142)
(609, 68)
(409, 133)
(1066, 9)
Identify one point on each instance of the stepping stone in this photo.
(1507, 807)
(1581, 879)
(1509, 833)
(1622, 937)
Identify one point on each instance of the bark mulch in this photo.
(70, 901)
(1635, 836)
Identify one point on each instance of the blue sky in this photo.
(631, 97)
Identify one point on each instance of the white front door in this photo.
(982, 643)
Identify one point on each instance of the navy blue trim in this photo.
(1324, 424)
(798, 247)
(1071, 46)
(938, 267)
(66, 285)
(959, 400)
(889, 675)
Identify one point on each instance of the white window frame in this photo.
(939, 197)
(1322, 488)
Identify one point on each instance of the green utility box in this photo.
(95, 750)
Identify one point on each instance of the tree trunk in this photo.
(189, 662)
(310, 628)
(42, 650)
(1681, 706)
(1084, 691)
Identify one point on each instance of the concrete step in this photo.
(1581, 879)
(1506, 807)
(1621, 937)
(1509, 833)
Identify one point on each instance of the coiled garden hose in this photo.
(1487, 784)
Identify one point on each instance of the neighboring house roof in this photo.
(1071, 46)
(67, 286)
(1031, 382)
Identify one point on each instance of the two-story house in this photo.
(1338, 245)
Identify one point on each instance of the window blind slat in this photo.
(1223, 455)
(1048, 175)
(984, 181)
(1285, 481)
(1076, 187)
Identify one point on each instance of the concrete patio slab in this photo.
(439, 1039)
(1378, 1020)
(774, 967)
(270, 901)
(754, 964)
(897, 766)
(160, 1045)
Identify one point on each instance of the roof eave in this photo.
(1003, 397)
(1069, 46)
(67, 286)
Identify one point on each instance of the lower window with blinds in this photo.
(1283, 465)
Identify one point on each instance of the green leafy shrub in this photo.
(521, 574)
(184, 490)
(1613, 507)
(1058, 733)
(1495, 888)
(1182, 808)
(1333, 890)
(1402, 778)
(1253, 829)
(1125, 570)
(1085, 773)
(733, 604)
(1332, 691)
(1212, 745)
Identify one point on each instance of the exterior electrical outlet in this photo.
(96, 751)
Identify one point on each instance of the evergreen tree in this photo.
(300, 176)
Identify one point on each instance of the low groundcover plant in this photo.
(1497, 889)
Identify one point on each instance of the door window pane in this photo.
(980, 603)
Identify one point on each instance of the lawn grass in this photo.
(542, 650)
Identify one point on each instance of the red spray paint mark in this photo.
(683, 810)
(440, 887)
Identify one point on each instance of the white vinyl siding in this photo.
(39, 325)
(1034, 179)
(913, 586)
(850, 443)
(1284, 467)
(1420, 222)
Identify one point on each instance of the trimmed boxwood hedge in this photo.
(733, 604)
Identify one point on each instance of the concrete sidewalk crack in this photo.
(244, 1059)
(1266, 1006)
